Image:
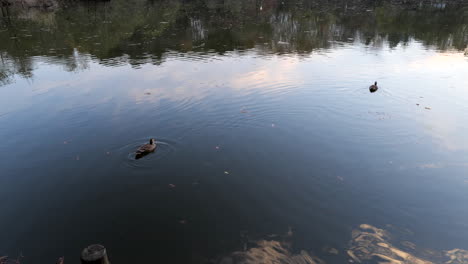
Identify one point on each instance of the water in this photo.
(269, 142)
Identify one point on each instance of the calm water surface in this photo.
(269, 142)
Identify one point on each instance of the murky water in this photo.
(270, 146)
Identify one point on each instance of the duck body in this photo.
(146, 149)
(373, 88)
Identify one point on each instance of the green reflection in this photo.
(145, 31)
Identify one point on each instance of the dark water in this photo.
(269, 142)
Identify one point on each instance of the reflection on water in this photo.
(264, 120)
(140, 31)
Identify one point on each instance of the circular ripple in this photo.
(164, 149)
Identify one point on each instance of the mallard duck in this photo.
(373, 88)
(145, 149)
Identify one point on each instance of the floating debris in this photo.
(273, 125)
(217, 147)
(77, 158)
(183, 222)
(172, 185)
(226, 172)
(147, 93)
(428, 108)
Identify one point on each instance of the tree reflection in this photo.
(148, 31)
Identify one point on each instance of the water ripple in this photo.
(126, 153)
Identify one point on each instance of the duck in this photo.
(373, 88)
(146, 149)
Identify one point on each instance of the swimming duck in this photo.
(145, 149)
(373, 88)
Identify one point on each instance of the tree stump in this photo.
(94, 254)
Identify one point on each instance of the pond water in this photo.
(270, 145)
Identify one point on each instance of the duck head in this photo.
(152, 141)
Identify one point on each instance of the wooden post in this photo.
(94, 254)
